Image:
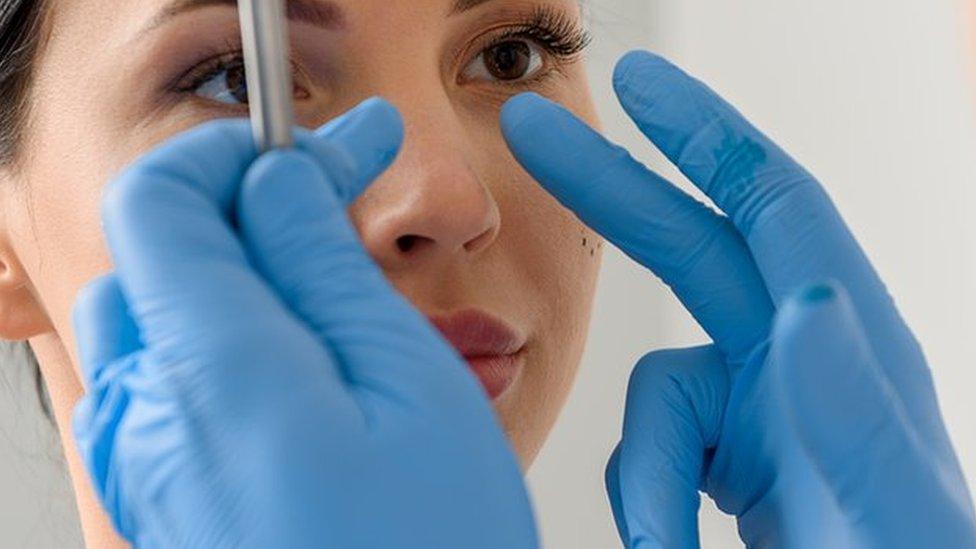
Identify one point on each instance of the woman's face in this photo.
(456, 224)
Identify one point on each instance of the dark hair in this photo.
(20, 39)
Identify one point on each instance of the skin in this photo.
(489, 237)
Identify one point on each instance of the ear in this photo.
(22, 315)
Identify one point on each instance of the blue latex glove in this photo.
(254, 381)
(865, 459)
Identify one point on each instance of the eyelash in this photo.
(557, 34)
(560, 36)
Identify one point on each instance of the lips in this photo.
(491, 348)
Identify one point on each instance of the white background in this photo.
(872, 96)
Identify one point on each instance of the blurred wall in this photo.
(37, 506)
(873, 97)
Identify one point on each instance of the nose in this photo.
(430, 207)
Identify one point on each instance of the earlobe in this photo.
(21, 314)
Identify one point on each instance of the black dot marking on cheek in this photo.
(588, 243)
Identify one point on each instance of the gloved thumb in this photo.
(675, 403)
(294, 226)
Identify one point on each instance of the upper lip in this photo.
(477, 334)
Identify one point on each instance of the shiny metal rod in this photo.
(264, 32)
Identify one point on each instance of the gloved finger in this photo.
(96, 421)
(697, 252)
(109, 347)
(790, 223)
(104, 331)
(106, 338)
(611, 478)
(301, 240)
(895, 490)
(675, 404)
(191, 288)
(177, 258)
(356, 157)
(175, 202)
(792, 228)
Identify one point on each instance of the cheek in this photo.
(78, 144)
(56, 226)
(558, 253)
(558, 259)
(555, 261)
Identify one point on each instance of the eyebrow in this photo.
(319, 13)
(461, 6)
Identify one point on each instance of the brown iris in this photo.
(508, 60)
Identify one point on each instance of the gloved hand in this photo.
(865, 458)
(253, 379)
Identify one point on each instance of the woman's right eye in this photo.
(227, 85)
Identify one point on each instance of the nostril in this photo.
(412, 243)
(407, 243)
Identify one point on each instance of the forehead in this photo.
(107, 19)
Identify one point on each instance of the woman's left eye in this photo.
(227, 85)
(508, 61)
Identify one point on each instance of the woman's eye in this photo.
(228, 85)
(508, 61)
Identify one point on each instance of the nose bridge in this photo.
(431, 203)
(435, 163)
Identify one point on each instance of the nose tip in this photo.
(431, 206)
(437, 216)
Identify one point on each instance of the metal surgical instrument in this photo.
(264, 32)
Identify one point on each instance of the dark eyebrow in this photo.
(319, 13)
(461, 6)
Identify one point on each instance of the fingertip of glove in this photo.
(818, 293)
(277, 181)
(365, 141)
(638, 63)
(283, 165)
(523, 109)
(531, 125)
(628, 62)
(383, 113)
(380, 119)
(520, 105)
(816, 338)
(813, 304)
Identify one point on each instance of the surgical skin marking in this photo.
(588, 243)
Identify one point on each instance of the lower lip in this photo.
(496, 373)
